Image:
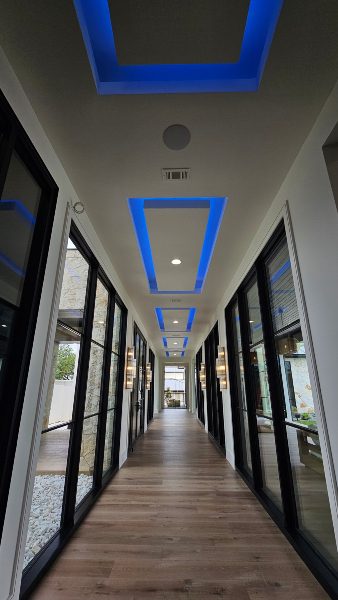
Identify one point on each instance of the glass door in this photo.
(27, 204)
(137, 401)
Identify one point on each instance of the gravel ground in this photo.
(44, 520)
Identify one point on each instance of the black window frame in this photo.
(213, 392)
(15, 139)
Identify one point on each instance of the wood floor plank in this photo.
(177, 522)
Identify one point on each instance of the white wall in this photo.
(16, 522)
(312, 229)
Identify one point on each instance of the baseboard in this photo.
(123, 458)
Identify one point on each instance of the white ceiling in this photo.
(242, 144)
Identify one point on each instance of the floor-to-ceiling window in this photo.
(80, 428)
(214, 394)
(27, 203)
(278, 449)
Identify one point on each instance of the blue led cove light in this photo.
(111, 78)
(216, 207)
(160, 319)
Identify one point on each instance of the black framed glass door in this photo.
(27, 204)
(277, 444)
(214, 394)
(199, 391)
(137, 401)
(81, 423)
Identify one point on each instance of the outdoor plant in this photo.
(65, 364)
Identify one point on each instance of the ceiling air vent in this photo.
(175, 174)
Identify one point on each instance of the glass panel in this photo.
(260, 378)
(113, 381)
(296, 380)
(282, 291)
(7, 315)
(46, 509)
(19, 205)
(117, 329)
(87, 458)
(100, 313)
(238, 339)
(61, 389)
(314, 515)
(255, 319)
(74, 288)
(108, 443)
(93, 393)
(268, 456)
(244, 415)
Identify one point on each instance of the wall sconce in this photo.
(203, 377)
(130, 368)
(221, 368)
(149, 376)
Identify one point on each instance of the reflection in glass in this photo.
(108, 443)
(255, 319)
(19, 205)
(244, 416)
(296, 380)
(100, 313)
(284, 309)
(113, 380)
(87, 458)
(117, 329)
(46, 510)
(267, 446)
(7, 315)
(314, 515)
(93, 393)
(260, 377)
(238, 339)
(74, 288)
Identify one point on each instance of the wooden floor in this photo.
(178, 523)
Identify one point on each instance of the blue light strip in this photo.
(161, 324)
(111, 78)
(165, 343)
(20, 208)
(216, 210)
(185, 343)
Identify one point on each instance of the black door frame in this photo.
(15, 376)
(73, 515)
(287, 522)
(135, 405)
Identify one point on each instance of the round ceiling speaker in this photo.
(176, 137)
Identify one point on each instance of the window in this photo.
(27, 203)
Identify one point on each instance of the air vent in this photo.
(175, 174)
(175, 300)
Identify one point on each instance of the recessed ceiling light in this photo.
(175, 343)
(176, 261)
(101, 322)
(175, 354)
(175, 322)
(3, 325)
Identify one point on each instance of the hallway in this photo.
(177, 522)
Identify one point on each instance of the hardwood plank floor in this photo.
(177, 522)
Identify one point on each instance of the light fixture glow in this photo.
(175, 343)
(176, 261)
(3, 325)
(138, 207)
(175, 322)
(112, 78)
